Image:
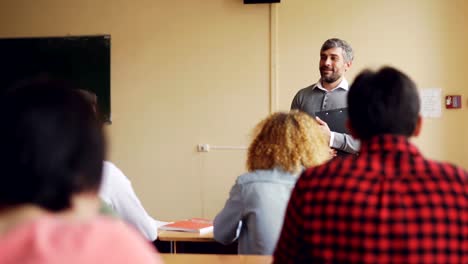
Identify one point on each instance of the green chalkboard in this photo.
(83, 60)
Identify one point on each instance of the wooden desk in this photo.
(213, 259)
(173, 237)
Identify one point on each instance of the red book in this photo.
(193, 225)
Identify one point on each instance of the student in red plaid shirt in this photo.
(387, 205)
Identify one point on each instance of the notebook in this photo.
(336, 119)
(193, 225)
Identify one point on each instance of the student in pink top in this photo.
(51, 155)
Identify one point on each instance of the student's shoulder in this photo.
(115, 241)
(247, 178)
(271, 175)
(325, 167)
(111, 173)
(109, 166)
(333, 170)
(446, 170)
(96, 240)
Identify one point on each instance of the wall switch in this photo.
(203, 147)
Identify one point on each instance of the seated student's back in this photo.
(284, 144)
(51, 154)
(389, 204)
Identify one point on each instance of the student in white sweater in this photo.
(116, 191)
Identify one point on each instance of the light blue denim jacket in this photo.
(255, 210)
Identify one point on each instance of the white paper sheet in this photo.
(431, 102)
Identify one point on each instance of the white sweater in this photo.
(116, 190)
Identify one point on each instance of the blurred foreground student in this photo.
(284, 144)
(387, 205)
(51, 153)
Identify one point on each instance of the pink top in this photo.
(52, 240)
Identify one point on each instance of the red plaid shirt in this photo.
(387, 205)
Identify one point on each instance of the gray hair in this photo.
(339, 43)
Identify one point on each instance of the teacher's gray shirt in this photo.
(254, 211)
(315, 98)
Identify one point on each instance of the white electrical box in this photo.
(203, 147)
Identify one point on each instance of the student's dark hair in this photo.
(383, 102)
(51, 145)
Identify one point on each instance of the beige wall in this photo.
(424, 38)
(189, 72)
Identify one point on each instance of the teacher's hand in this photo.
(324, 127)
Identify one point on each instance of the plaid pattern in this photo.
(387, 205)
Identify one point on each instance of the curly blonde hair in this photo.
(289, 141)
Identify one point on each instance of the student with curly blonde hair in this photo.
(283, 145)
